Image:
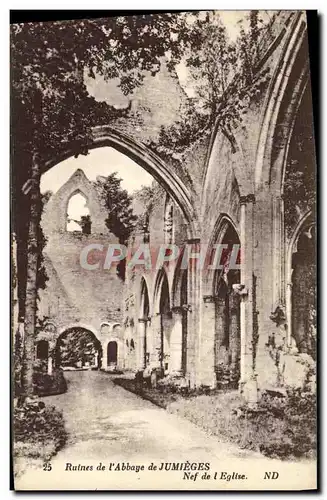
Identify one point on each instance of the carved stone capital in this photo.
(249, 198)
(193, 241)
(209, 299)
(177, 309)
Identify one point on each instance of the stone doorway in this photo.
(112, 354)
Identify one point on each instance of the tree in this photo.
(117, 201)
(121, 219)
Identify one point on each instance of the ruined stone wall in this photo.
(75, 295)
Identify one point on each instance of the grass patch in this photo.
(280, 426)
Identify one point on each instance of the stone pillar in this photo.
(176, 341)
(234, 337)
(194, 341)
(207, 369)
(289, 314)
(248, 384)
(142, 327)
(220, 331)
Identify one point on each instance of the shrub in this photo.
(34, 422)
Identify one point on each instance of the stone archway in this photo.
(227, 346)
(78, 348)
(304, 292)
(84, 222)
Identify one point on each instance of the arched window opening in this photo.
(78, 215)
(169, 221)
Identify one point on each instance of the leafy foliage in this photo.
(118, 202)
(121, 219)
(225, 79)
(291, 422)
(148, 196)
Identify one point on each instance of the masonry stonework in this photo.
(205, 328)
(75, 296)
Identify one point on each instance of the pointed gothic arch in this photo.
(164, 173)
(282, 101)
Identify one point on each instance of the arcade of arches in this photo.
(215, 327)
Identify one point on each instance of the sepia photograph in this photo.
(163, 251)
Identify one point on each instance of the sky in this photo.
(100, 161)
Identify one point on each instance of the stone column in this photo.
(156, 340)
(234, 337)
(248, 384)
(142, 327)
(207, 369)
(289, 314)
(220, 329)
(176, 341)
(51, 350)
(278, 291)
